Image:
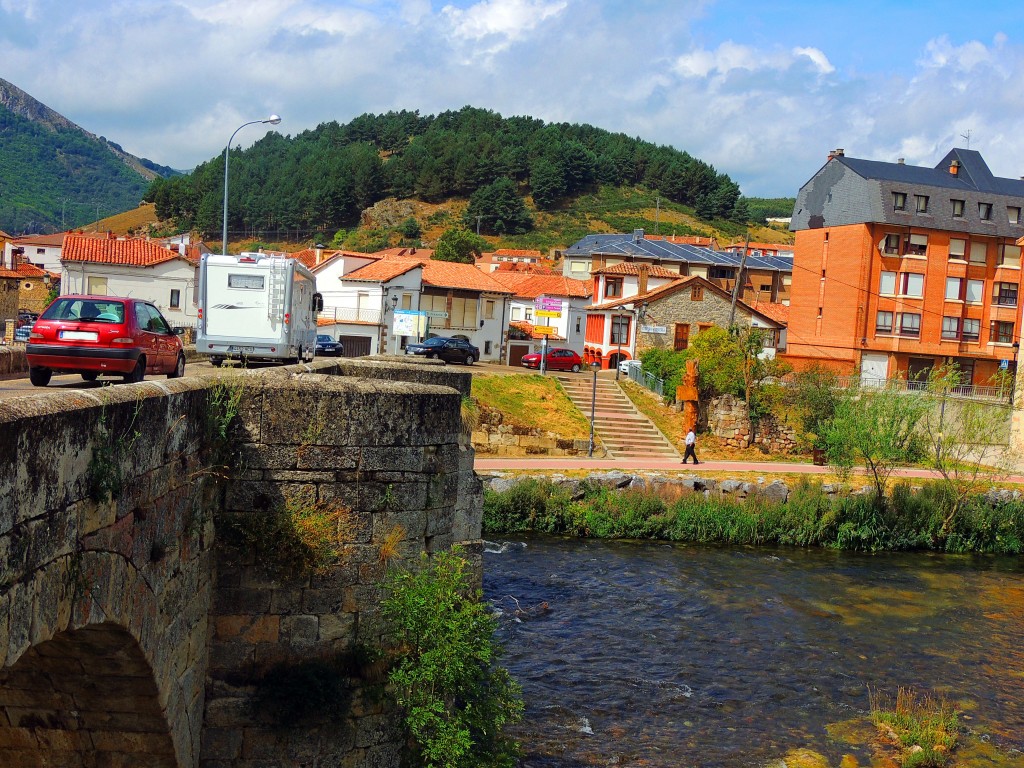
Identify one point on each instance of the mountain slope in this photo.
(55, 174)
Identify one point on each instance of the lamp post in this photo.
(272, 120)
(595, 366)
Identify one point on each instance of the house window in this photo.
(701, 327)
(682, 338)
(517, 313)
(958, 209)
(916, 245)
(529, 314)
(883, 322)
(1006, 294)
(985, 211)
(957, 249)
(612, 287)
(954, 286)
(766, 287)
(975, 289)
(1013, 214)
(579, 323)
(620, 329)
(40, 251)
(578, 266)
(899, 201)
(979, 252)
(972, 329)
(723, 273)
(1002, 332)
(406, 301)
(951, 327)
(910, 324)
(887, 284)
(464, 312)
(771, 338)
(96, 286)
(892, 244)
(487, 347)
(912, 285)
(489, 309)
(1011, 256)
(696, 294)
(175, 299)
(921, 203)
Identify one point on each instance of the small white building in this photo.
(132, 267)
(563, 300)
(43, 251)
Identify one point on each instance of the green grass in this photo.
(532, 401)
(922, 728)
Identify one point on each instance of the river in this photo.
(656, 654)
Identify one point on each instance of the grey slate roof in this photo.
(631, 245)
(849, 190)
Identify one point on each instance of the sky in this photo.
(762, 91)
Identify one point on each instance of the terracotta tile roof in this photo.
(518, 252)
(527, 328)
(384, 270)
(532, 267)
(449, 274)
(632, 268)
(6, 273)
(777, 312)
(738, 247)
(133, 252)
(548, 285)
(404, 253)
(54, 241)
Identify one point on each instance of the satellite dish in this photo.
(881, 245)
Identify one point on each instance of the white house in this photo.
(407, 299)
(564, 299)
(132, 267)
(43, 251)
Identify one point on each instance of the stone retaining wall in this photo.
(729, 420)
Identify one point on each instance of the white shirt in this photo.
(690, 438)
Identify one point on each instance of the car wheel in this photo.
(179, 368)
(89, 375)
(216, 362)
(138, 373)
(576, 368)
(431, 355)
(470, 360)
(39, 377)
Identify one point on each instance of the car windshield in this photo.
(437, 341)
(85, 310)
(320, 337)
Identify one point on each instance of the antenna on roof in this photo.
(967, 136)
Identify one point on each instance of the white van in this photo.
(256, 306)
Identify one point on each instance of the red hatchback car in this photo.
(557, 360)
(94, 335)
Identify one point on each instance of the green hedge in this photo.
(906, 520)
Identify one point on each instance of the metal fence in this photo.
(648, 380)
(964, 391)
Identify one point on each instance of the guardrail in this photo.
(351, 315)
(964, 391)
(648, 380)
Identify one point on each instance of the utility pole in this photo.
(739, 279)
(478, 225)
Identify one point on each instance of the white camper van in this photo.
(255, 306)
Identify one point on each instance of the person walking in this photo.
(691, 447)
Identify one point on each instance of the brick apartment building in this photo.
(899, 268)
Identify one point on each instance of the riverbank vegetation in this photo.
(922, 728)
(905, 518)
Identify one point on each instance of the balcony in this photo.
(963, 392)
(352, 315)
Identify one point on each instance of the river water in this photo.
(657, 654)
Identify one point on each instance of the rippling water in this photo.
(655, 654)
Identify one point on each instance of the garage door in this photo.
(356, 346)
(874, 369)
(516, 352)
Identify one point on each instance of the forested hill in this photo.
(322, 179)
(53, 172)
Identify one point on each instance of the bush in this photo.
(456, 698)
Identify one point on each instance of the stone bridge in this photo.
(131, 635)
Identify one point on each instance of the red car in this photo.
(94, 335)
(557, 360)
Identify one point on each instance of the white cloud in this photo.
(819, 59)
(510, 19)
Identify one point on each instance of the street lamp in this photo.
(272, 120)
(595, 366)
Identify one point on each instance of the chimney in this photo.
(110, 235)
(638, 235)
(900, 161)
(836, 153)
(954, 167)
(319, 247)
(643, 271)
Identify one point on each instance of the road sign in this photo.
(436, 315)
(547, 313)
(653, 329)
(1004, 365)
(551, 305)
(547, 330)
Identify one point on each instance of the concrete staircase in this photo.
(619, 426)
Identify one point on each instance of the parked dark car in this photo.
(450, 350)
(328, 347)
(94, 335)
(556, 360)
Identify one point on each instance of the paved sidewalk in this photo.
(568, 463)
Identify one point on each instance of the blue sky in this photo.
(760, 90)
